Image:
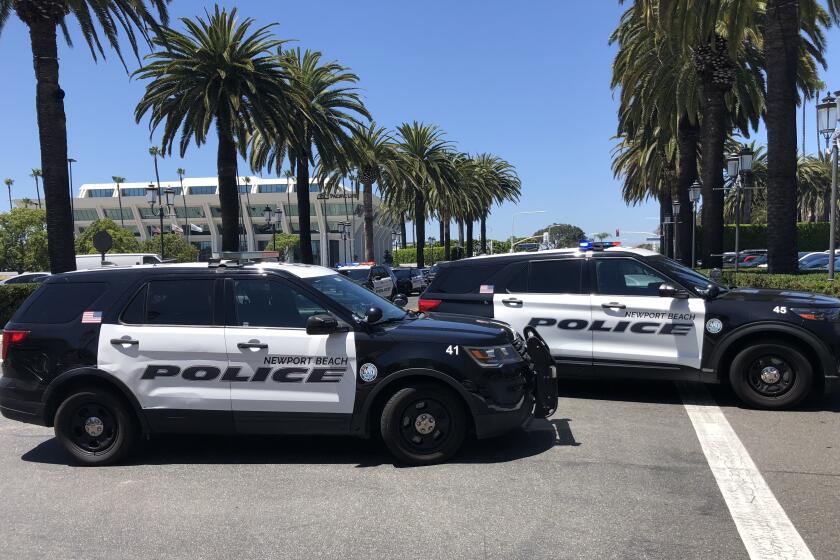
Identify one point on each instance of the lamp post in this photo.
(164, 201)
(513, 224)
(827, 125)
(694, 193)
(675, 211)
(738, 166)
(277, 214)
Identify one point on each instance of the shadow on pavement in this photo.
(538, 438)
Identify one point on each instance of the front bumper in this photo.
(492, 424)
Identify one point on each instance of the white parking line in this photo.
(763, 525)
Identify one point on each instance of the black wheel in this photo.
(423, 425)
(774, 376)
(95, 427)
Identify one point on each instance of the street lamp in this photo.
(513, 222)
(277, 214)
(164, 201)
(737, 167)
(694, 193)
(827, 124)
(675, 211)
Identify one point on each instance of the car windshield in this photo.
(355, 298)
(402, 273)
(357, 274)
(685, 275)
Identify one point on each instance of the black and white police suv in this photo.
(634, 313)
(375, 277)
(106, 356)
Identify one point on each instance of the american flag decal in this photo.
(92, 317)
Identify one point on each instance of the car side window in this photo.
(627, 277)
(180, 302)
(561, 276)
(266, 303)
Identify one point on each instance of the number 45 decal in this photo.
(780, 309)
(452, 350)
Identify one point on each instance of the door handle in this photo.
(512, 301)
(124, 341)
(613, 305)
(246, 345)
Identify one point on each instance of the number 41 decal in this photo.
(780, 309)
(452, 350)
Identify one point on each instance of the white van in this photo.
(87, 262)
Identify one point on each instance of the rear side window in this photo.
(555, 277)
(62, 302)
(179, 302)
(464, 279)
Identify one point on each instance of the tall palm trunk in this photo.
(746, 206)
(38, 192)
(447, 251)
(420, 224)
(228, 193)
(367, 202)
(686, 175)
(460, 233)
(713, 133)
(304, 218)
(403, 232)
(470, 224)
(52, 133)
(119, 200)
(482, 228)
(781, 51)
(442, 231)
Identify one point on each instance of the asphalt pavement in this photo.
(617, 472)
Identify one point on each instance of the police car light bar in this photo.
(364, 263)
(245, 256)
(598, 245)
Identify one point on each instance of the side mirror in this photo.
(711, 292)
(372, 315)
(321, 324)
(400, 300)
(671, 291)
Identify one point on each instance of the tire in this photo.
(404, 429)
(771, 376)
(75, 427)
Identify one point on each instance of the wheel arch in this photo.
(86, 377)
(389, 385)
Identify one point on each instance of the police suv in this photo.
(375, 277)
(106, 356)
(634, 313)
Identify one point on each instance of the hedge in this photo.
(11, 297)
(811, 281)
(430, 254)
(812, 236)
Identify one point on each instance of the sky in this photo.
(529, 81)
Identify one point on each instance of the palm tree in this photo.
(217, 73)
(323, 111)
(9, 183)
(119, 180)
(181, 172)
(95, 18)
(36, 173)
(501, 180)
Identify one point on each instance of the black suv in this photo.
(634, 313)
(108, 355)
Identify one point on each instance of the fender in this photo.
(60, 381)
(360, 425)
(822, 351)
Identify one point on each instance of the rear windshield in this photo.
(357, 274)
(402, 273)
(61, 302)
(464, 279)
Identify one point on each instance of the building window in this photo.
(85, 214)
(201, 245)
(314, 187)
(192, 211)
(292, 209)
(133, 191)
(100, 193)
(199, 229)
(216, 211)
(244, 189)
(340, 209)
(313, 227)
(202, 190)
(272, 188)
(114, 213)
(147, 214)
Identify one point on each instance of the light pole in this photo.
(164, 201)
(738, 166)
(513, 224)
(675, 210)
(694, 193)
(278, 215)
(827, 124)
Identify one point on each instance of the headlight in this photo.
(494, 356)
(817, 313)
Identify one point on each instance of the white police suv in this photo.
(108, 355)
(634, 313)
(375, 277)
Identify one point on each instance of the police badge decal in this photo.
(368, 372)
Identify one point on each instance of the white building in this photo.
(197, 210)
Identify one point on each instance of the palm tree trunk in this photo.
(447, 252)
(460, 233)
(52, 133)
(38, 192)
(403, 232)
(781, 51)
(119, 200)
(825, 215)
(470, 224)
(367, 201)
(713, 136)
(483, 231)
(746, 207)
(420, 224)
(686, 175)
(304, 218)
(228, 193)
(442, 231)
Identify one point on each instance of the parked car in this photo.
(746, 255)
(27, 278)
(375, 277)
(409, 280)
(88, 262)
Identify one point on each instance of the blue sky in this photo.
(528, 81)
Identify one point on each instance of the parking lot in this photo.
(617, 472)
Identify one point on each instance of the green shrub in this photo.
(814, 281)
(811, 236)
(11, 297)
(175, 246)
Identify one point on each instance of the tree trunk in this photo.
(746, 206)
(713, 136)
(686, 175)
(367, 201)
(825, 215)
(228, 193)
(442, 231)
(460, 233)
(52, 133)
(38, 192)
(304, 217)
(665, 245)
(119, 200)
(470, 225)
(420, 224)
(403, 232)
(483, 232)
(781, 51)
(447, 251)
